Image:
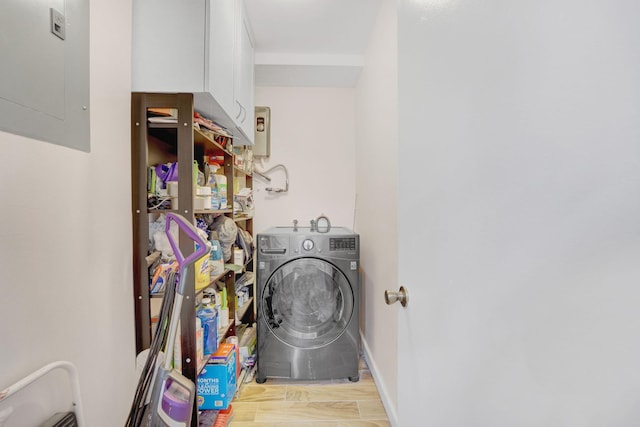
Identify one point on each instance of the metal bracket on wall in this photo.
(263, 174)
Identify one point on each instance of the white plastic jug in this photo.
(221, 184)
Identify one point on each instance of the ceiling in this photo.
(310, 42)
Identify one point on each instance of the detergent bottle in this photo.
(209, 318)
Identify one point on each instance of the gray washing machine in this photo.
(308, 304)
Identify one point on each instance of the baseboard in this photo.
(382, 388)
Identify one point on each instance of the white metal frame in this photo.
(31, 378)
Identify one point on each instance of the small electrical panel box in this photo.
(262, 139)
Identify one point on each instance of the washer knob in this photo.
(307, 245)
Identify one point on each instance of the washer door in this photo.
(307, 302)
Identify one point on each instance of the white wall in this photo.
(312, 134)
(65, 240)
(376, 181)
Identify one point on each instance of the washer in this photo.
(308, 304)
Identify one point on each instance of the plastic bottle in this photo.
(209, 293)
(209, 318)
(215, 200)
(221, 184)
(224, 308)
(213, 295)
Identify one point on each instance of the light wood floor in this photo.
(285, 403)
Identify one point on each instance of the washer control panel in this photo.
(336, 246)
(342, 244)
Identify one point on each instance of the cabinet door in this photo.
(168, 41)
(221, 53)
(245, 77)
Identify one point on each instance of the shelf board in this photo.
(234, 267)
(242, 218)
(241, 170)
(201, 288)
(164, 211)
(151, 125)
(212, 211)
(201, 138)
(241, 311)
(198, 211)
(213, 281)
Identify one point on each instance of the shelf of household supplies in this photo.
(202, 138)
(241, 311)
(199, 289)
(213, 211)
(197, 211)
(213, 281)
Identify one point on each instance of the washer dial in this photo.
(307, 244)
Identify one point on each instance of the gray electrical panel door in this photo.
(44, 70)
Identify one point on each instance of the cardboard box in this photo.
(217, 384)
(222, 353)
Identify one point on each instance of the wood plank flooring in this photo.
(287, 403)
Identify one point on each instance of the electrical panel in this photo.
(44, 71)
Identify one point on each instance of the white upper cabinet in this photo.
(220, 54)
(168, 45)
(244, 87)
(199, 46)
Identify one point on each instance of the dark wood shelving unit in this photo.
(153, 143)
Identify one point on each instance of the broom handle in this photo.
(191, 232)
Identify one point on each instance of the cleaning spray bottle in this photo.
(224, 308)
(208, 316)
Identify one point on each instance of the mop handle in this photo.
(190, 231)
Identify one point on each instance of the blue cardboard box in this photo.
(217, 384)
